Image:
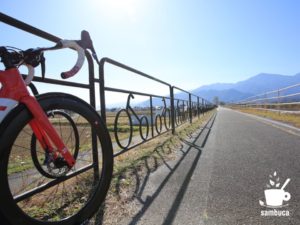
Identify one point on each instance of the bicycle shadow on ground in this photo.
(140, 177)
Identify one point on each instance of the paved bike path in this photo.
(223, 181)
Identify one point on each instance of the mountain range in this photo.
(232, 92)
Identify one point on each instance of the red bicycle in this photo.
(56, 157)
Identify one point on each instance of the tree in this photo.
(216, 100)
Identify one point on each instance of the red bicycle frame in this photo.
(14, 89)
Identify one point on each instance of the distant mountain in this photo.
(233, 92)
(216, 86)
(230, 95)
(266, 82)
(230, 92)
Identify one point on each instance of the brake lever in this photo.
(34, 57)
(87, 43)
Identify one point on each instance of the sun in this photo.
(120, 9)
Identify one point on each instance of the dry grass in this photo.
(292, 119)
(132, 167)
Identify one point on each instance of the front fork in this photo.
(45, 132)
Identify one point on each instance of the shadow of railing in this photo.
(140, 179)
(150, 199)
(180, 194)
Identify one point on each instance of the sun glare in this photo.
(120, 9)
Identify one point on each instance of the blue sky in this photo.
(187, 43)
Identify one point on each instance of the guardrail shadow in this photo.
(177, 201)
(151, 164)
(139, 175)
(191, 145)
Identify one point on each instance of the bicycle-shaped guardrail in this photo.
(181, 112)
(160, 118)
(142, 122)
(163, 118)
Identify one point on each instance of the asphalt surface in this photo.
(221, 173)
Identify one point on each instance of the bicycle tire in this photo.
(46, 168)
(3, 220)
(85, 206)
(116, 129)
(176, 117)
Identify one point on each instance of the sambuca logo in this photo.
(275, 197)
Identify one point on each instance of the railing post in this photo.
(183, 111)
(93, 104)
(151, 117)
(172, 109)
(91, 79)
(102, 90)
(190, 108)
(198, 107)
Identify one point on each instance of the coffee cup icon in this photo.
(275, 197)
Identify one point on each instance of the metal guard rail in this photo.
(281, 97)
(171, 116)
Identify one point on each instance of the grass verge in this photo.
(291, 119)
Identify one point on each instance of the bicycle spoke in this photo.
(59, 122)
(27, 132)
(70, 137)
(29, 185)
(22, 147)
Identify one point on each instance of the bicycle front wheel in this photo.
(68, 132)
(29, 197)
